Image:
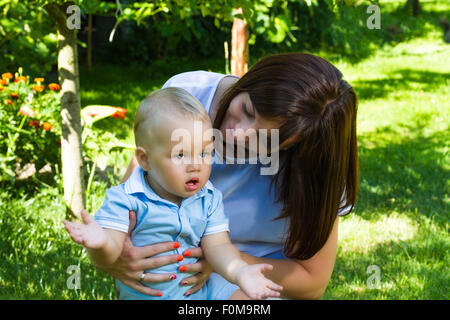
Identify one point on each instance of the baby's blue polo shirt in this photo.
(159, 220)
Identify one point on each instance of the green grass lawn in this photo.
(401, 220)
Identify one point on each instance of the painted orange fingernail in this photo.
(176, 245)
(184, 283)
(159, 294)
(182, 268)
(180, 257)
(187, 253)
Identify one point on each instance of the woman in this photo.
(288, 219)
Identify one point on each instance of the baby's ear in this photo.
(142, 158)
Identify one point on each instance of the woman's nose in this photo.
(244, 131)
(245, 125)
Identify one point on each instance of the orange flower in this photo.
(7, 75)
(3, 82)
(20, 78)
(27, 111)
(7, 101)
(14, 95)
(38, 88)
(120, 113)
(46, 126)
(35, 123)
(38, 79)
(54, 86)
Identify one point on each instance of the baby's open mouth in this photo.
(191, 184)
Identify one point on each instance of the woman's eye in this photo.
(180, 155)
(204, 154)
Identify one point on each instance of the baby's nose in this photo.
(193, 166)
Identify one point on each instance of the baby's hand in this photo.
(89, 234)
(254, 284)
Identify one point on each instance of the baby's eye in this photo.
(180, 155)
(204, 154)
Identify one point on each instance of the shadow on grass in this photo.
(407, 176)
(400, 80)
(403, 173)
(349, 37)
(127, 87)
(411, 269)
(111, 85)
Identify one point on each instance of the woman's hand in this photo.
(202, 269)
(134, 260)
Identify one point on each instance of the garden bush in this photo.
(27, 38)
(30, 127)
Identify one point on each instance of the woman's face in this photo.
(241, 114)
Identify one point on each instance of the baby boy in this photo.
(173, 201)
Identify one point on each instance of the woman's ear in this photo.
(142, 158)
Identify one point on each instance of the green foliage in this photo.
(340, 28)
(165, 29)
(294, 26)
(29, 124)
(99, 144)
(30, 128)
(349, 36)
(27, 37)
(163, 36)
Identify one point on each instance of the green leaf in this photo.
(217, 22)
(277, 31)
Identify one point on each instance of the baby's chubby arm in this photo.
(226, 260)
(103, 245)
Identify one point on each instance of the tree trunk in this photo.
(239, 47)
(416, 8)
(71, 148)
(413, 6)
(89, 43)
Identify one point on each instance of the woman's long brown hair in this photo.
(319, 171)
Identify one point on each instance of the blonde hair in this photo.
(172, 99)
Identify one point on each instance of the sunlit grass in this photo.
(36, 254)
(400, 222)
(362, 236)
